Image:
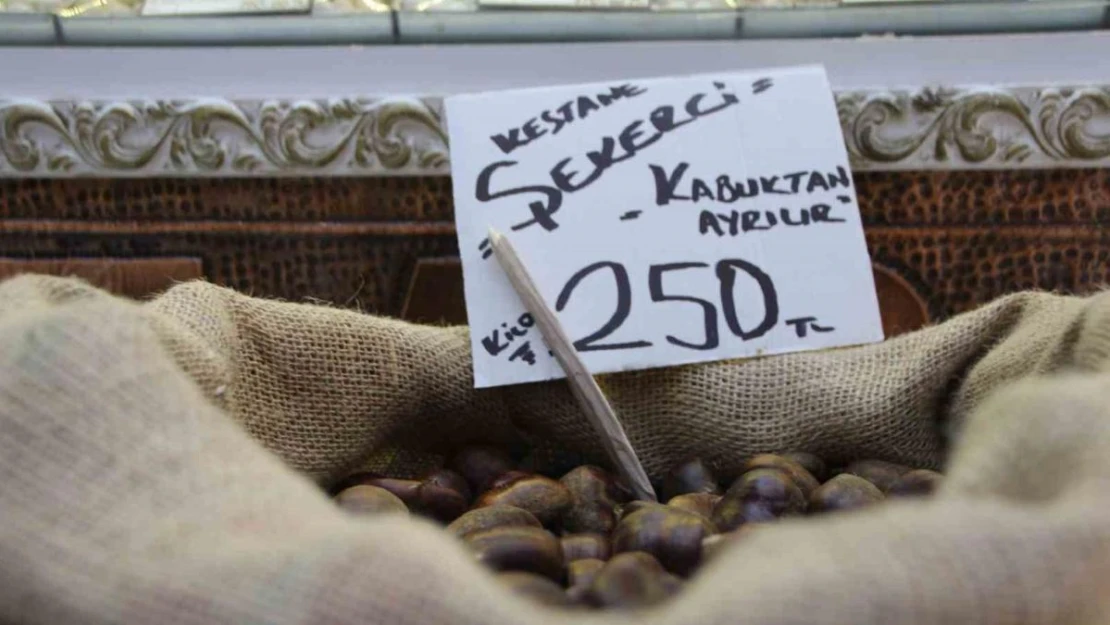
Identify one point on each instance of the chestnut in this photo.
(595, 494)
(879, 472)
(354, 479)
(692, 476)
(519, 548)
(489, 517)
(631, 580)
(586, 546)
(810, 462)
(672, 535)
(542, 496)
(443, 495)
(446, 478)
(590, 517)
(435, 496)
(914, 483)
(581, 573)
(507, 478)
(844, 492)
(624, 510)
(366, 499)
(803, 478)
(480, 465)
(759, 496)
(552, 463)
(698, 503)
(407, 491)
(593, 482)
(534, 587)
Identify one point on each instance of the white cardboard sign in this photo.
(666, 221)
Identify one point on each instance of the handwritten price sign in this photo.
(666, 221)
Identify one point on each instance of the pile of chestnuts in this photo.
(581, 540)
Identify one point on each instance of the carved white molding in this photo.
(218, 137)
(928, 128)
(972, 128)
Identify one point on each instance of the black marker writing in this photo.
(728, 271)
(734, 223)
(525, 353)
(566, 177)
(801, 324)
(553, 120)
(623, 308)
(499, 339)
(673, 186)
(668, 284)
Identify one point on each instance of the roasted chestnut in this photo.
(489, 517)
(519, 549)
(844, 492)
(480, 465)
(879, 472)
(803, 478)
(440, 495)
(366, 499)
(757, 497)
(612, 551)
(446, 478)
(443, 495)
(597, 483)
(672, 535)
(581, 573)
(542, 496)
(626, 509)
(913, 483)
(407, 491)
(595, 494)
(698, 503)
(693, 476)
(534, 587)
(354, 479)
(508, 477)
(586, 547)
(631, 580)
(810, 462)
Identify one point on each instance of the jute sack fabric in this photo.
(160, 462)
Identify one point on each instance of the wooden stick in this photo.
(585, 389)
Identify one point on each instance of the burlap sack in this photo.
(157, 465)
